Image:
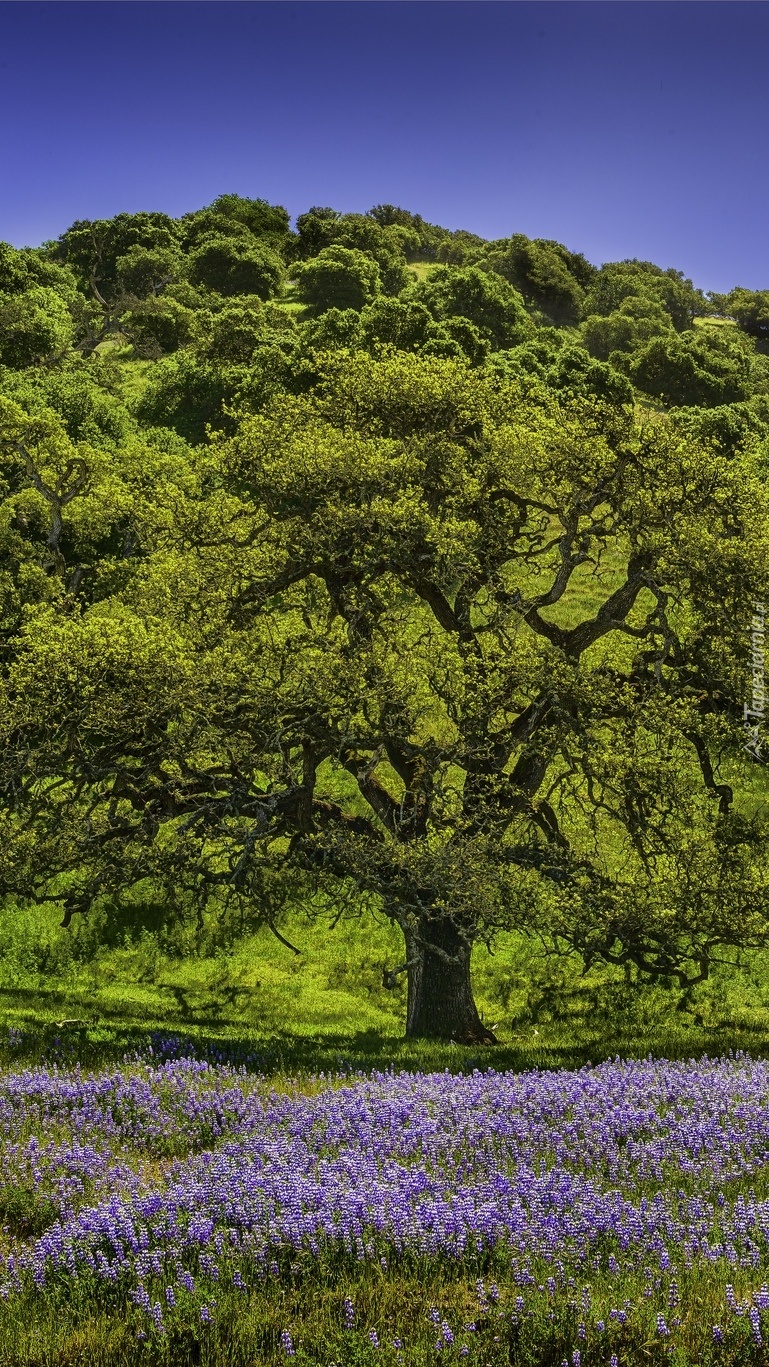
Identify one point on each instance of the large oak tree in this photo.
(420, 637)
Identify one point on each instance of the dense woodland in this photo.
(371, 565)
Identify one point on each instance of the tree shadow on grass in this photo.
(29, 1035)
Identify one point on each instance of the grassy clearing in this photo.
(714, 323)
(328, 1005)
(420, 269)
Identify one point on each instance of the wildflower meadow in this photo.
(182, 1208)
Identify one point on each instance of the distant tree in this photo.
(248, 220)
(21, 268)
(145, 271)
(691, 371)
(540, 271)
(574, 372)
(339, 278)
(35, 327)
(460, 248)
(315, 230)
(92, 250)
(389, 216)
(358, 232)
(461, 338)
(87, 412)
(730, 428)
(333, 330)
(403, 323)
(637, 320)
(157, 326)
(260, 217)
(564, 369)
(618, 280)
(187, 393)
(420, 240)
(231, 266)
(233, 332)
(750, 308)
(204, 223)
(481, 297)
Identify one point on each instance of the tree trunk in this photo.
(440, 996)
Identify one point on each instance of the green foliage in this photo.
(419, 240)
(35, 327)
(338, 277)
(328, 658)
(403, 323)
(258, 216)
(188, 393)
(619, 280)
(751, 310)
(730, 427)
(638, 320)
(233, 266)
(89, 413)
(145, 271)
(26, 268)
(25, 1212)
(322, 228)
(158, 326)
(692, 370)
(94, 249)
(564, 369)
(484, 299)
(544, 274)
(460, 248)
(335, 328)
(433, 627)
(234, 331)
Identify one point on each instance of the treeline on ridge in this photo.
(236, 305)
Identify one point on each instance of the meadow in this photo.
(231, 1156)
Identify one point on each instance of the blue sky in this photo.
(621, 129)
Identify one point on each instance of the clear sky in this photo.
(620, 129)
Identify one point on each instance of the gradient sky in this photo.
(620, 129)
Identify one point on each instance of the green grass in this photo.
(328, 1004)
(395, 1304)
(714, 323)
(420, 269)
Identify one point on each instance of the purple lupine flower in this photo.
(286, 1343)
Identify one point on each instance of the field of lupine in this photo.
(188, 1209)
